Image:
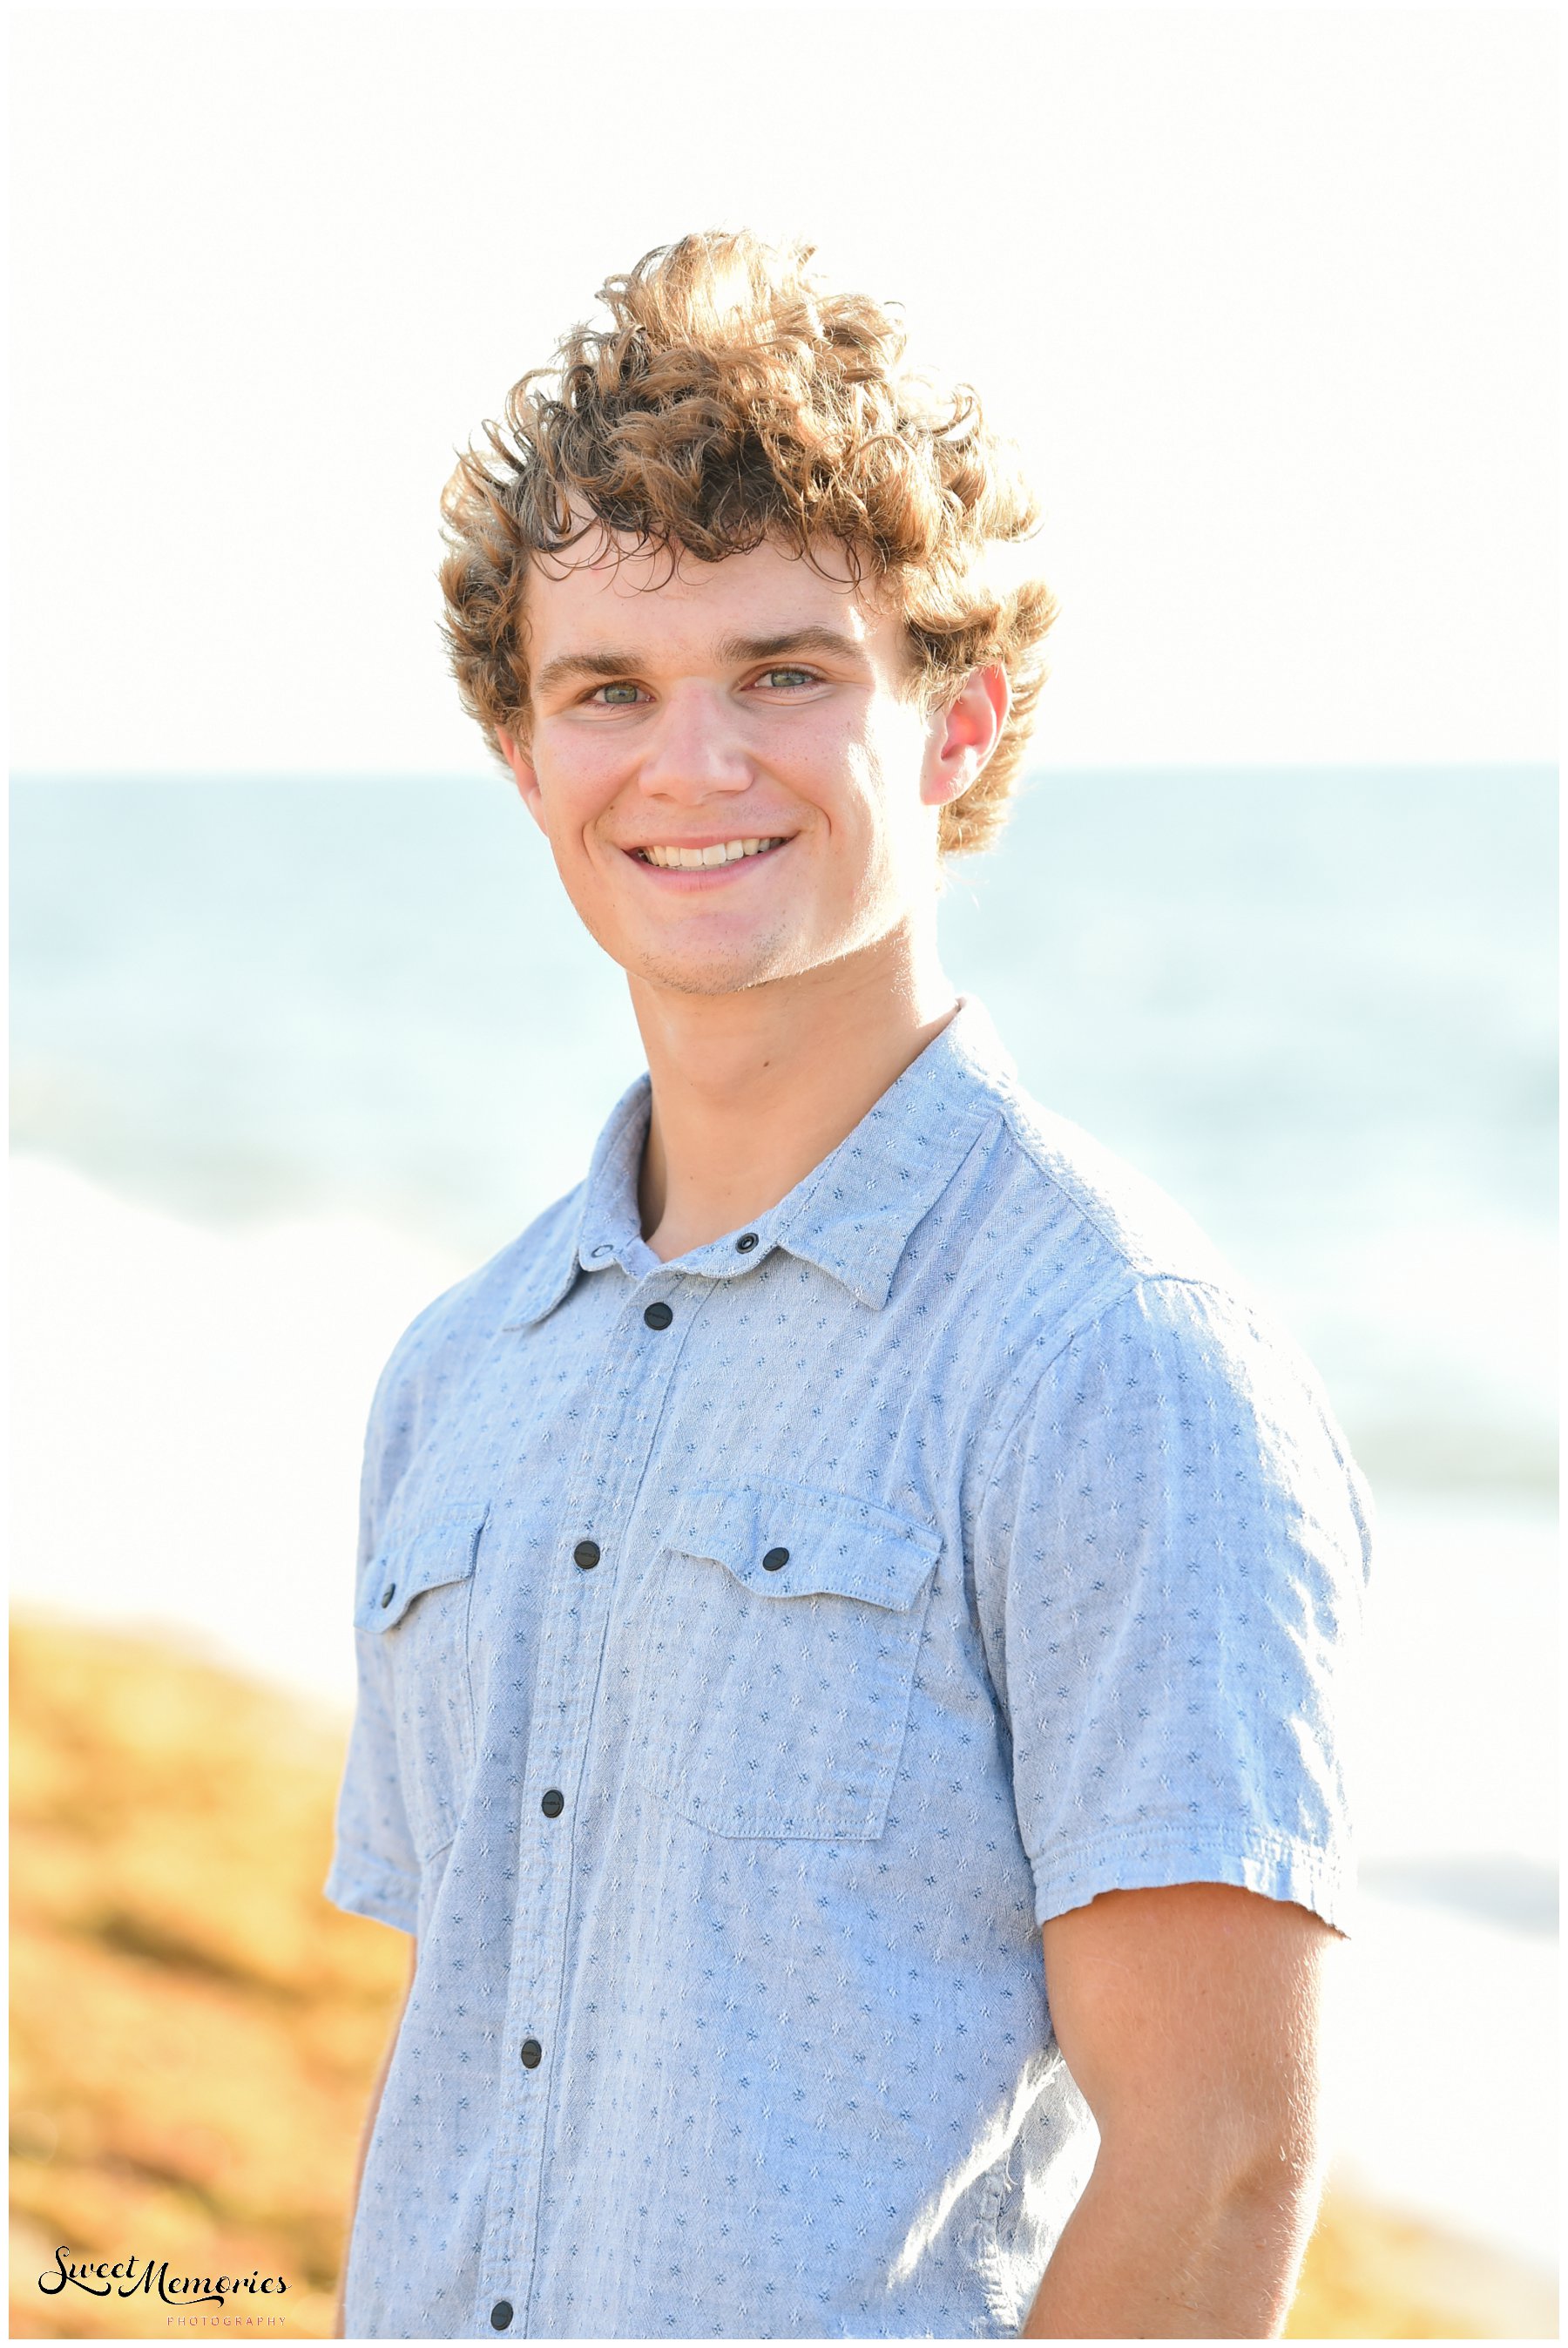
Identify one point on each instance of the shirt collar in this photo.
(852, 1216)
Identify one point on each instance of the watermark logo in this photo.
(236, 2296)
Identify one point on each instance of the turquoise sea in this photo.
(1317, 1006)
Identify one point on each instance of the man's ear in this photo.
(523, 775)
(966, 734)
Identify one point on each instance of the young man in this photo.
(855, 1603)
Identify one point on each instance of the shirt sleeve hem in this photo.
(362, 1888)
(1145, 1858)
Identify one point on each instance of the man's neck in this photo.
(752, 1090)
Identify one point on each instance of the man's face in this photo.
(751, 708)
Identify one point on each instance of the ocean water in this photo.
(1317, 1006)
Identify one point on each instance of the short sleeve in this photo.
(374, 1872)
(1170, 1562)
(375, 1869)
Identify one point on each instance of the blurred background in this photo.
(303, 1027)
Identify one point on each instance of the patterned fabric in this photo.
(754, 1651)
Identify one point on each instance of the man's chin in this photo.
(717, 970)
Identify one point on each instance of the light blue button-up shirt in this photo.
(754, 1651)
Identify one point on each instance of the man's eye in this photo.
(784, 676)
(617, 696)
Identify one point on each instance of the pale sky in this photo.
(1269, 296)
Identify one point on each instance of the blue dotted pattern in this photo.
(1072, 1565)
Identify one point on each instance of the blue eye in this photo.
(629, 691)
(790, 675)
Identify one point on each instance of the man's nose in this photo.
(694, 748)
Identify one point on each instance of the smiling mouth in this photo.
(697, 859)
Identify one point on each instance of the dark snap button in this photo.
(389, 1593)
(501, 2314)
(774, 1560)
(554, 1803)
(659, 1316)
(746, 1243)
(532, 2054)
(586, 1554)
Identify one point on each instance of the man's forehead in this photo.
(640, 592)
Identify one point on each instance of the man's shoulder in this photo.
(470, 1313)
(1113, 1274)
(1066, 1193)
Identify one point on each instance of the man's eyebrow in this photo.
(738, 649)
(733, 652)
(571, 666)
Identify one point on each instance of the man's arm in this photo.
(368, 2130)
(1188, 2017)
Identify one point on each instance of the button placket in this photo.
(631, 1394)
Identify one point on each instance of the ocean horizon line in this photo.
(1188, 768)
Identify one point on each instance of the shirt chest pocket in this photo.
(780, 1660)
(412, 1611)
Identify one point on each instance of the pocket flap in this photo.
(783, 1540)
(440, 1546)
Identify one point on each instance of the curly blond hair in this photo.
(734, 398)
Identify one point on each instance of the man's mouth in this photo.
(669, 859)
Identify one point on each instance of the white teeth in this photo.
(692, 860)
